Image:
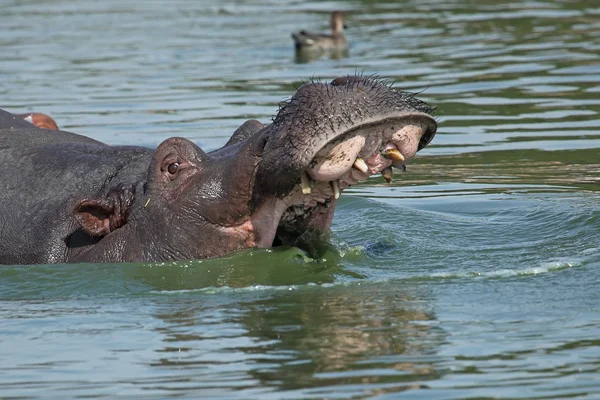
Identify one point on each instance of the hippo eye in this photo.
(173, 168)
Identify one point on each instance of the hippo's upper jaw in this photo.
(325, 139)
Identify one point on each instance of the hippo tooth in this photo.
(393, 154)
(304, 182)
(335, 187)
(361, 165)
(388, 174)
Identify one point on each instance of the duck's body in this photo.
(322, 41)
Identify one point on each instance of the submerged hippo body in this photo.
(69, 198)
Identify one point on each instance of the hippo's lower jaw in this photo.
(350, 158)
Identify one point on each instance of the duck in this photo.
(305, 40)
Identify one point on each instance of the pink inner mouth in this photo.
(355, 157)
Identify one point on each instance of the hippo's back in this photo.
(16, 132)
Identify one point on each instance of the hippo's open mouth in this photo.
(327, 137)
(349, 158)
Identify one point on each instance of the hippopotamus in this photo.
(68, 198)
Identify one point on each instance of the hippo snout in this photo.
(330, 136)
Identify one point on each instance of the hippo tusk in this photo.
(393, 154)
(361, 165)
(304, 181)
(335, 187)
(388, 174)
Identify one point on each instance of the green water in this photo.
(474, 275)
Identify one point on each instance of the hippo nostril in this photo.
(344, 80)
(426, 139)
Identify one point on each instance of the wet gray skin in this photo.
(79, 200)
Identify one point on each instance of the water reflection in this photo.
(577, 169)
(304, 56)
(302, 339)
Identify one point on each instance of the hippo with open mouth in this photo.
(69, 198)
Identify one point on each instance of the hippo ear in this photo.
(99, 217)
(246, 130)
